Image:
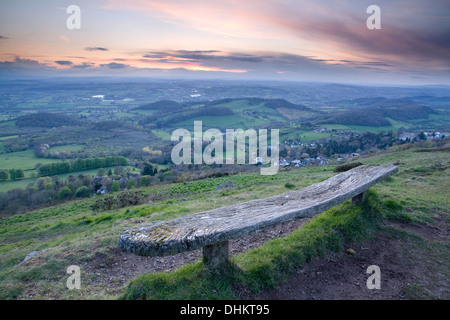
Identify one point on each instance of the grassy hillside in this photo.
(379, 116)
(72, 234)
(224, 113)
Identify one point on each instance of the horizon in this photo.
(132, 79)
(293, 41)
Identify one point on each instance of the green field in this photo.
(162, 134)
(65, 148)
(25, 160)
(359, 128)
(230, 121)
(8, 137)
(292, 133)
(144, 112)
(5, 186)
(22, 184)
(124, 115)
(11, 123)
(246, 116)
(432, 121)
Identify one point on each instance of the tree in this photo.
(118, 170)
(115, 186)
(167, 176)
(145, 181)
(4, 175)
(422, 136)
(101, 172)
(131, 183)
(82, 192)
(16, 174)
(48, 186)
(87, 180)
(12, 174)
(148, 170)
(64, 193)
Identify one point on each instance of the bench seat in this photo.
(212, 229)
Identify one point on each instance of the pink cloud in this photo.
(330, 29)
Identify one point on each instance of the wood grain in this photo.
(222, 224)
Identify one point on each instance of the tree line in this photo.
(80, 165)
(45, 119)
(13, 174)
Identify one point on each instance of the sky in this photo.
(294, 40)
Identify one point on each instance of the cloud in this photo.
(253, 62)
(84, 65)
(260, 62)
(391, 44)
(24, 63)
(3, 38)
(95, 49)
(63, 38)
(22, 66)
(413, 33)
(114, 65)
(64, 62)
(184, 56)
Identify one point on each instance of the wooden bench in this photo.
(211, 230)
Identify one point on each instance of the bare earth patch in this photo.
(407, 272)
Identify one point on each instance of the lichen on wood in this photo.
(222, 224)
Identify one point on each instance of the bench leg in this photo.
(215, 255)
(359, 199)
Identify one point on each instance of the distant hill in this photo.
(46, 120)
(173, 105)
(247, 111)
(110, 125)
(161, 105)
(242, 112)
(212, 111)
(378, 116)
(361, 102)
(360, 117)
(270, 103)
(281, 103)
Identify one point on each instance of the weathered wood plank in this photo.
(222, 224)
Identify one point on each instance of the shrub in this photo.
(131, 183)
(347, 166)
(289, 185)
(145, 181)
(82, 192)
(129, 199)
(106, 203)
(64, 193)
(122, 200)
(115, 186)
